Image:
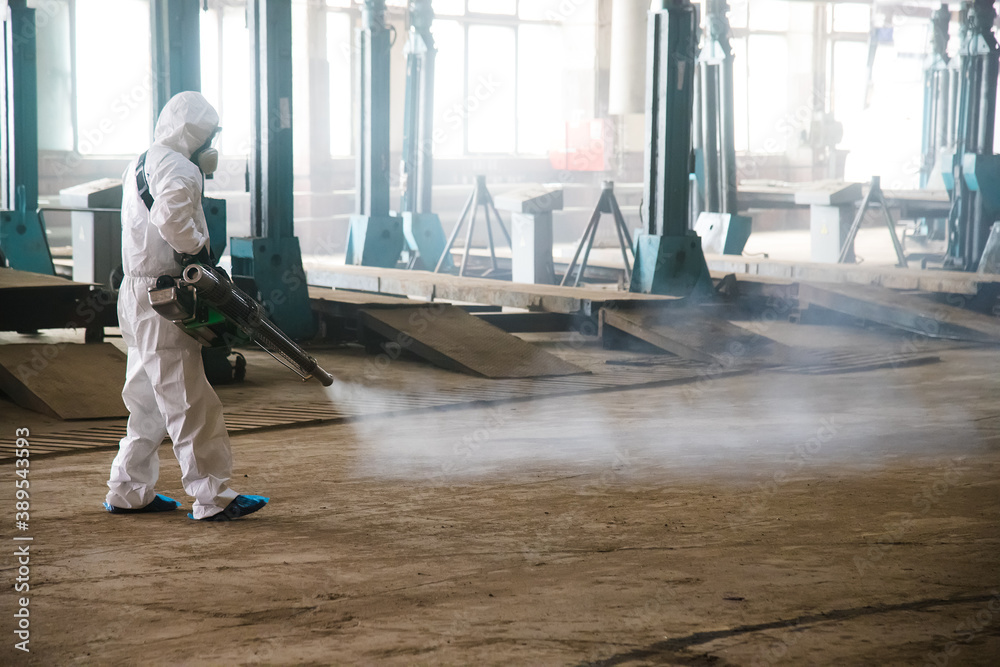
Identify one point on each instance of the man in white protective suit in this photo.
(166, 390)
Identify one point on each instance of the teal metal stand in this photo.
(376, 236)
(668, 255)
(22, 233)
(269, 263)
(422, 227)
(971, 216)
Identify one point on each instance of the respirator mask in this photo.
(207, 155)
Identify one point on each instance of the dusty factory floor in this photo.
(760, 519)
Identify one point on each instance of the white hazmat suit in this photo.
(166, 391)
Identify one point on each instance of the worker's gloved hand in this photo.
(204, 256)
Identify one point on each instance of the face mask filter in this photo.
(208, 161)
(207, 156)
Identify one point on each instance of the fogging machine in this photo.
(206, 304)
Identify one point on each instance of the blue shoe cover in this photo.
(160, 504)
(240, 506)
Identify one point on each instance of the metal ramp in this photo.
(690, 333)
(65, 380)
(451, 338)
(908, 311)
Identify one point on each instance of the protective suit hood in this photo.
(185, 123)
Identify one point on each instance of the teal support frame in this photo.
(671, 265)
(668, 255)
(970, 219)
(22, 231)
(375, 237)
(425, 236)
(269, 262)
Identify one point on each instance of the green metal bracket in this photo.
(23, 241)
(670, 265)
(982, 175)
(375, 240)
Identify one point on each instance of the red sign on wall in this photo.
(589, 146)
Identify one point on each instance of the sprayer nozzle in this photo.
(325, 378)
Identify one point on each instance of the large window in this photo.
(540, 115)
(491, 86)
(55, 77)
(504, 83)
(767, 83)
(225, 73)
(760, 76)
(338, 36)
(450, 108)
(113, 77)
(510, 73)
(879, 103)
(847, 58)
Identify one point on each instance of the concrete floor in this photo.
(753, 520)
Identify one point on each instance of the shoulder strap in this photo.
(140, 182)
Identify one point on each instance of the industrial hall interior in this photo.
(500, 332)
